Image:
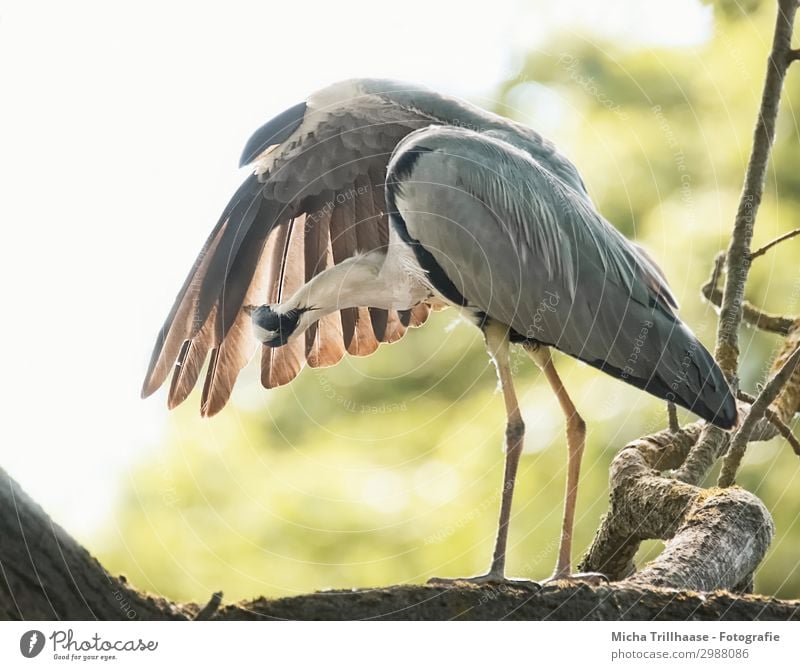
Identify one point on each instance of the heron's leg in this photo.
(498, 345)
(576, 440)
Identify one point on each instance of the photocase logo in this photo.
(31, 643)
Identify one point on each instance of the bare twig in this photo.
(786, 236)
(784, 430)
(716, 272)
(752, 315)
(758, 410)
(672, 415)
(776, 422)
(210, 607)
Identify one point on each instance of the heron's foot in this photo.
(491, 578)
(590, 578)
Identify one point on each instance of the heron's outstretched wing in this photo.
(317, 197)
(505, 235)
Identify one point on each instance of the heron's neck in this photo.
(366, 280)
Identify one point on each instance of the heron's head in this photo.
(270, 327)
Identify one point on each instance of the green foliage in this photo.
(388, 469)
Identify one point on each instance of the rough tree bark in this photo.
(655, 493)
(46, 574)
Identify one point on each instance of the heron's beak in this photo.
(249, 309)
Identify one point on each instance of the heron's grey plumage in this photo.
(525, 249)
(508, 220)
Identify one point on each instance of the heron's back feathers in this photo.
(515, 242)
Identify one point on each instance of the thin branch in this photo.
(752, 315)
(672, 415)
(775, 421)
(757, 411)
(738, 255)
(210, 608)
(716, 272)
(786, 236)
(784, 430)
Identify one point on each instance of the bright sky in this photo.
(121, 129)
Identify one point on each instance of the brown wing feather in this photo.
(343, 246)
(189, 364)
(372, 232)
(238, 345)
(274, 252)
(183, 324)
(287, 361)
(357, 334)
(324, 341)
(419, 315)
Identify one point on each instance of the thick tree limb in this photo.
(731, 525)
(46, 575)
(563, 603)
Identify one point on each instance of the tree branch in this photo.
(774, 425)
(737, 260)
(770, 392)
(46, 575)
(730, 524)
(752, 315)
(738, 256)
(782, 238)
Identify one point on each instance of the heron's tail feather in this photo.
(672, 364)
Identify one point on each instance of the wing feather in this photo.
(357, 334)
(287, 361)
(275, 253)
(324, 340)
(188, 366)
(372, 232)
(180, 323)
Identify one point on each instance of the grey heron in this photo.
(374, 201)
